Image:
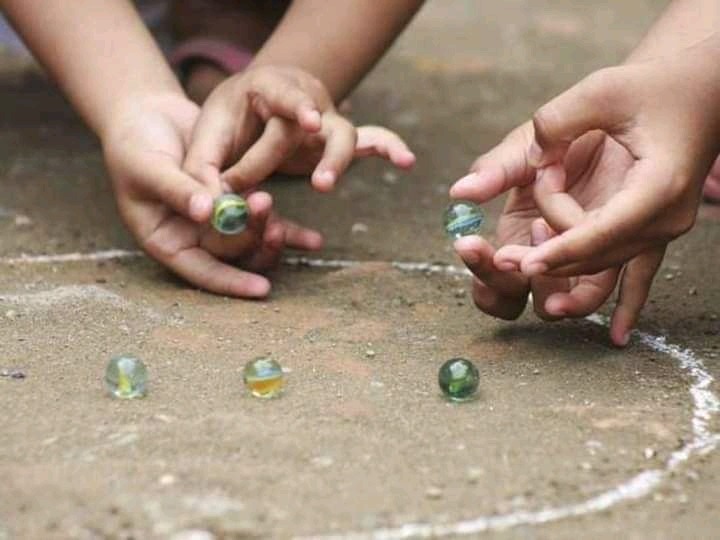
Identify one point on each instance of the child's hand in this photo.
(280, 119)
(168, 211)
(615, 199)
(504, 293)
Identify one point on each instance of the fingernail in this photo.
(625, 339)
(325, 177)
(200, 206)
(507, 266)
(314, 118)
(467, 182)
(259, 287)
(534, 269)
(535, 154)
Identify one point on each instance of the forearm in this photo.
(98, 51)
(339, 41)
(682, 24)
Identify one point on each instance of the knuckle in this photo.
(501, 308)
(159, 247)
(195, 168)
(682, 225)
(315, 86)
(677, 188)
(568, 253)
(544, 120)
(682, 197)
(603, 85)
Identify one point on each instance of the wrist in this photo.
(126, 112)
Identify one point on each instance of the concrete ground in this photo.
(569, 438)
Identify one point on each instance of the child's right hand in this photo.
(607, 200)
(271, 119)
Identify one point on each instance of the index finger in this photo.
(217, 137)
(611, 227)
(282, 96)
(504, 167)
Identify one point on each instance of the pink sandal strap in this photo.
(227, 56)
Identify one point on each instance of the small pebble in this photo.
(649, 453)
(390, 177)
(370, 353)
(167, 480)
(359, 228)
(536, 371)
(473, 474)
(12, 373)
(193, 534)
(23, 221)
(322, 462)
(692, 291)
(433, 493)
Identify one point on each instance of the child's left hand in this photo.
(272, 119)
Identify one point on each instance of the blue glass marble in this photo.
(463, 218)
(264, 378)
(458, 379)
(230, 214)
(126, 377)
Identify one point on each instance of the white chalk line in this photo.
(114, 254)
(705, 405)
(108, 255)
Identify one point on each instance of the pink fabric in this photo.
(711, 190)
(227, 56)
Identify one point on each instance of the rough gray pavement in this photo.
(569, 438)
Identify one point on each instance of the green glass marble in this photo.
(230, 214)
(463, 218)
(458, 379)
(126, 377)
(264, 378)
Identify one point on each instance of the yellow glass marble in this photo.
(264, 378)
(230, 214)
(126, 377)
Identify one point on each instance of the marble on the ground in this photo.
(361, 439)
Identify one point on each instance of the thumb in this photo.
(165, 181)
(603, 100)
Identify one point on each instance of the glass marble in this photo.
(230, 214)
(458, 379)
(126, 377)
(263, 378)
(463, 218)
